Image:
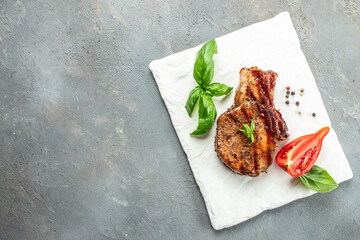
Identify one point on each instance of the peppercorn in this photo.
(288, 88)
(314, 114)
(302, 90)
(297, 103)
(287, 92)
(292, 93)
(287, 96)
(299, 112)
(262, 115)
(301, 94)
(287, 102)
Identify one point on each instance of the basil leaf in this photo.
(192, 99)
(207, 114)
(252, 125)
(247, 130)
(204, 63)
(251, 139)
(319, 179)
(218, 89)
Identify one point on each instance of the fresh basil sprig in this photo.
(319, 179)
(249, 131)
(203, 75)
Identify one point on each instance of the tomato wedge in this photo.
(299, 156)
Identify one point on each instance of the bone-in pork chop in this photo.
(253, 101)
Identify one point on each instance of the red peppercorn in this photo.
(262, 115)
(288, 88)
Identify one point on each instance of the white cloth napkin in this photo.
(271, 45)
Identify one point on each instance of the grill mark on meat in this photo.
(256, 159)
(263, 91)
(272, 80)
(253, 97)
(268, 129)
(267, 87)
(250, 92)
(245, 114)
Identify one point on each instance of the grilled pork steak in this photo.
(253, 101)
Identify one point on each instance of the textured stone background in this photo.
(87, 148)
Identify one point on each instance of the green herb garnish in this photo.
(319, 179)
(203, 75)
(249, 131)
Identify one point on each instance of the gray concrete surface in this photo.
(87, 149)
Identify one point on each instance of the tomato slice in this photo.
(299, 156)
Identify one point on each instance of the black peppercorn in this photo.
(287, 102)
(287, 92)
(297, 103)
(292, 93)
(314, 114)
